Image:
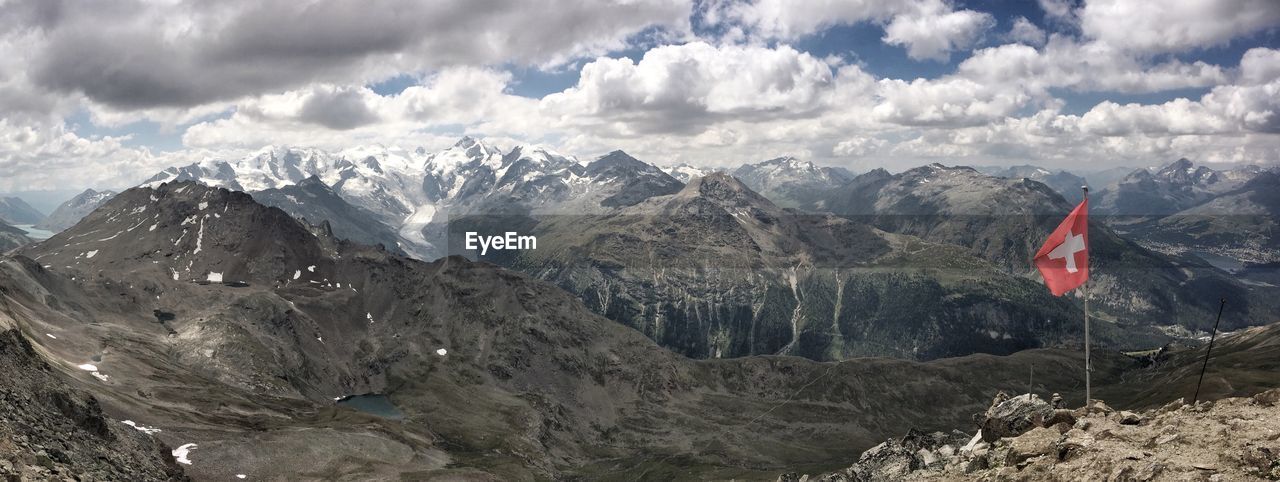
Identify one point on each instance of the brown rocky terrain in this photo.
(1025, 438)
(50, 431)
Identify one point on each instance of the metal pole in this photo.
(1088, 362)
(1212, 336)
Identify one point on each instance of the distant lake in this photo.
(33, 233)
(1221, 262)
(373, 404)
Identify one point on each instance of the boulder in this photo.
(1038, 442)
(895, 459)
(1269, 398)
(1063, 419)
(1097, 406)
(1015, 416)
(1074, 442)
(974, 464)
(1172, 406)
(1129, 418)
(927, 457)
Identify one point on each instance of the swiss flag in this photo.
(1064, 258)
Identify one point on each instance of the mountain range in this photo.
(1227, 217)
(11, 238)
(414, 193)
(230, 325)
(14, 210)
(790, 182)
(1005, 220)
(1177, 186)
(73, 210)
(223, 327)
(1239, 223)
(718, 271)
(1062, 182)
(313, 201)
(636, 244)
(685, 172)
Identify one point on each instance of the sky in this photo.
(105, 93)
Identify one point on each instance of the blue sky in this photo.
(1058, 83)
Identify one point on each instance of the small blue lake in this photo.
(33, 233)
(373, 404)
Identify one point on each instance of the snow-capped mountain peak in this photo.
(788, 162)
(414, 192)
(790, 181)
(278, 166)
(466, 152)
(382, 158)
(211, 171)
(526, 163)
(685, 172)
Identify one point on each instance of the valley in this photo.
(723, 278)
(475, 371)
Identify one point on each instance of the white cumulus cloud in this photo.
(687, 85)
(934, 30)
(1175, 26)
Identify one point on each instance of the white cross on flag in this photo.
(1064, 258)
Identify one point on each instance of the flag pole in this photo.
(1222, 305)
(1088, 363)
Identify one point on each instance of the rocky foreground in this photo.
(1027, 438)
(51, 431)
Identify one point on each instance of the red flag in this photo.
(1064, 258)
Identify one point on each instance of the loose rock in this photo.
(1015, 416)
(1130, 418)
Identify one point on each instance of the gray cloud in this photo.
(340, 109)
(30, 14)
(129, 55)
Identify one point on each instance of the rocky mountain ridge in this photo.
(232, 327)
(1179, 185)
(1005, 221)
(1239, 223)
(315, 202)
(11, 238)
(716, 270)
(414, 193)
(1062, 182)
(73, 210)
(791, 182)
(685, 172)
(52, 431)
(14, 210)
